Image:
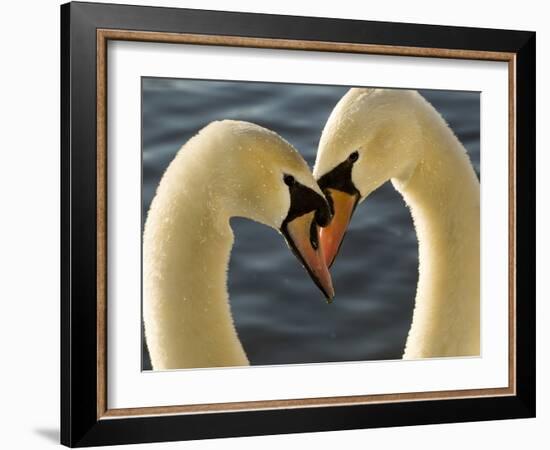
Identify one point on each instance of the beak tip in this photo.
(329, 294)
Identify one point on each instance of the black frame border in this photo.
(79, 423)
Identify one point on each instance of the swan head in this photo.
(368, 139)
(260, 176)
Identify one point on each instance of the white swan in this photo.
(229, 169)
(376, 135)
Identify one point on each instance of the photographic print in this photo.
(297, 224)
(292, 240)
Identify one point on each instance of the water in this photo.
(279, 313)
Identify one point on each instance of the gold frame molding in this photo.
(105, 35)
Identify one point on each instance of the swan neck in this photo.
(187, 247)
(443, 196)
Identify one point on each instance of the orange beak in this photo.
(302, 234)
(331, 236)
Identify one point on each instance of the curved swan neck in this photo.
(443, 196)
(187, 246)
(230, 168)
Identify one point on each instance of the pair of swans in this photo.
(240, 169)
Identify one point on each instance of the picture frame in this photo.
(86, 418)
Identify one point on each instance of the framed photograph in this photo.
(276, 224)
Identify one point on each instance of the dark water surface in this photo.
(279, 313)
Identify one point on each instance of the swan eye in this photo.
(353, 157)
(289, 180)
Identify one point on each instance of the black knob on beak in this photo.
(323, 215)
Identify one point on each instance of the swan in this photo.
(230, 168)
(376, 135)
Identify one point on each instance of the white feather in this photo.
(229, 169)
(402, 138)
